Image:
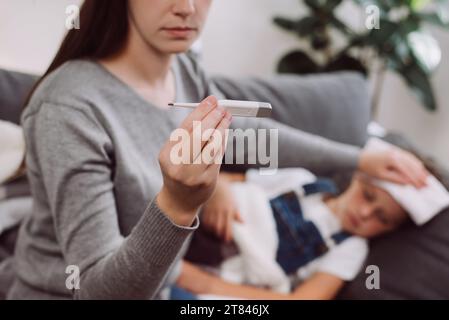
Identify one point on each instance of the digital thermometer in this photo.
(236, 108)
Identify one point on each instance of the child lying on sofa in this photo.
(297, 240)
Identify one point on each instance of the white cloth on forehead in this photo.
(421, 204)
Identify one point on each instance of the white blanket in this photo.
(257, 237)
(257, 241)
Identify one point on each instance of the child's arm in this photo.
(220, 211)
(321, 286)
(198, 281)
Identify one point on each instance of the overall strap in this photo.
(299, 239)
(323, 185)
(341, 236)
(320, 186)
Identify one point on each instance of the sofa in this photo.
(413, 262)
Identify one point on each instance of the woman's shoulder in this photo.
(71, 76)
(71, 84)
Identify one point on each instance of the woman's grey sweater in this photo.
(92, 160)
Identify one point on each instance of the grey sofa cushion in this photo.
(14, 88)
(335, 106)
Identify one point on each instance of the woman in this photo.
(104, 202)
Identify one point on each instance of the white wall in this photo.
(239, 39)
(30, 32)
(401, 110)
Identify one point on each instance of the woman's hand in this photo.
(188, 184)
(395, 165)
(220, 211)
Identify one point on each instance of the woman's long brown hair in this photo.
(103, 31)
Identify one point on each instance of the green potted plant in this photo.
(394, 39)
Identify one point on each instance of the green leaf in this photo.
(420, 84)
(383, 7)
(400, 49)
(439, 19)
(382, 38)
(307, 25)
(314, 4)
(285, 24)
(409, 24)
(339, 25)
(345, 62)
(357, 41)
(303, 27)
(418, 4)
(332, 4)
(425, 49)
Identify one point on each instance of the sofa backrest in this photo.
(14, 89)
(334, 105)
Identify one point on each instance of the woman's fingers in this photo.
(199, 113)
(188, 185)
(395, 176)
(238, 217)
(211, 134)
(201, 125)
(395, 165)
(410, 167)
(215, 148)
(417, 170)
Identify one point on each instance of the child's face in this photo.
(366, 210)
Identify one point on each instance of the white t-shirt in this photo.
(343, 260)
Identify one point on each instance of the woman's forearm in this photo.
(296, 148)
(137, 267)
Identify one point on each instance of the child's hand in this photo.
(220, 211)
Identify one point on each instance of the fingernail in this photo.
(222, 110)
(211, 100)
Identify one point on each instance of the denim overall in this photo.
(299, 239)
